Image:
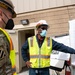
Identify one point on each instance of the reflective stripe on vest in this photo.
(12, 51)
(40, 57)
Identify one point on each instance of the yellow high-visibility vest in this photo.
(40, 57)
(12, 51)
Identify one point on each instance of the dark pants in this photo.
(44, 71)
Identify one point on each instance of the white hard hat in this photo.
(41, 22)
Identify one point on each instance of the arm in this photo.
(61, 47)
(24, 51)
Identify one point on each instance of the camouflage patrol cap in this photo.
(7, 4)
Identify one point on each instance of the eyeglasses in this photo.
(43, 27)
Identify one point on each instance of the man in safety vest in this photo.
(7, 54)
(40, 48)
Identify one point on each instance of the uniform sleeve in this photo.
(24, 51)
(61, 47)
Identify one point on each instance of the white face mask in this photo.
(43, 33)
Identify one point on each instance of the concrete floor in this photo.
(23, 73)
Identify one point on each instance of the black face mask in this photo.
(9, 24)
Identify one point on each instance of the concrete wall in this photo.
(57, 19)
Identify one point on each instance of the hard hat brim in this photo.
(2, 4)
(41, 25)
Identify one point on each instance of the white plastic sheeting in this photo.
(72, 38)
(58, 58)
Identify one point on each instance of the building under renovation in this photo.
(56, 12)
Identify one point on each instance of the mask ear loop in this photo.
(3, 21)
(5, 15)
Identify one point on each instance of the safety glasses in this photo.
(43, 27)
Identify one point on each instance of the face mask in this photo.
(10, 24)
(43, 33)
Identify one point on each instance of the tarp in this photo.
(57, 58)
(72, 39)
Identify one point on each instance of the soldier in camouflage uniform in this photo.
(6, 14)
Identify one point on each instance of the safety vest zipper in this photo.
(39, 57)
